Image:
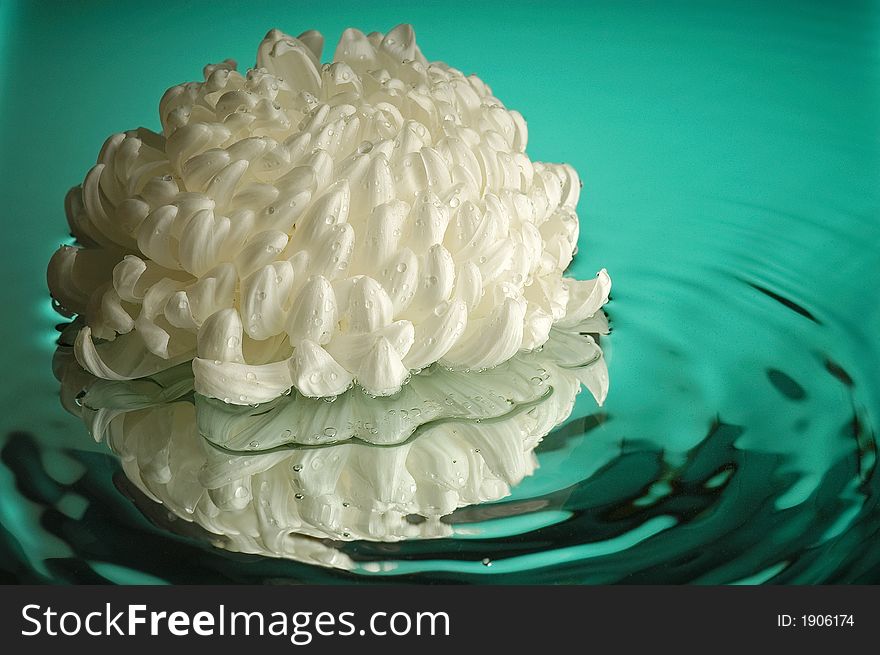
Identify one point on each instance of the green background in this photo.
(725, 148)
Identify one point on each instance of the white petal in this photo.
(489, 341)
(260, 250)
(315, 373)
(124, 358)
(314, 313)
(381, 372)
(436, 335)
(220, 337)
(369, 307)
(241, 384)
(585, 298)
(355, 48)
(350, 349)
(264, 299)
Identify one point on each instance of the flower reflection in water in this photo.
(297, 476)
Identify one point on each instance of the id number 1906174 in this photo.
(815, 621)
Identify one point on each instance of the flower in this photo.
(310, 227)
(278, 479)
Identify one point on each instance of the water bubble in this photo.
(486, 561)
(286, 434)
(297, 467)
(298, 496)
(251, 376)
(330, 432)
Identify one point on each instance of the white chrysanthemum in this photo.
(273, 480)
(313, 226)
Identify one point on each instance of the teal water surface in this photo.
(730, 154)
